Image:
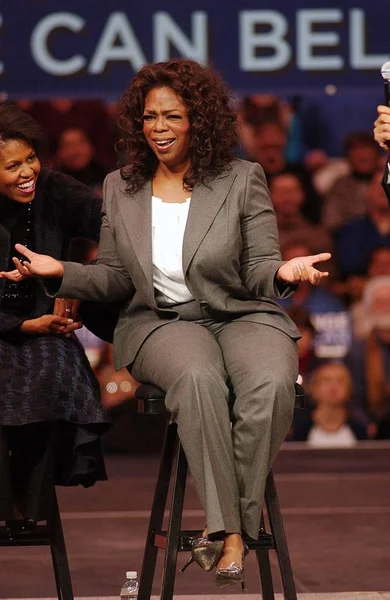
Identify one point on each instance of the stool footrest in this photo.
(38, 537)
(186, 537)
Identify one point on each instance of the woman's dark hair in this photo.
(18, 125)
(210, 113)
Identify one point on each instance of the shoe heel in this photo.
(187, 564)
(208, 556)
(243, 586)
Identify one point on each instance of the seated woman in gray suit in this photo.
(382, 136)
(189, 242)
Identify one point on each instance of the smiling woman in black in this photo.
(48, 392)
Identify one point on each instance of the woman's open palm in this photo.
(33, 265)
(301, 269)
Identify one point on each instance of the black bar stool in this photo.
(48, 534)
(173, 469)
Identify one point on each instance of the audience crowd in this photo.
(322, 204)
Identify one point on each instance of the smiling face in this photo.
(19, 170)
(167, 128)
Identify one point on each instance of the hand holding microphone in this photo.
(385, 72)
(382, 124)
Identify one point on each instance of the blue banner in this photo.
(92, 48)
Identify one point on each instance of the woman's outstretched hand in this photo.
(34, 265)
(301, 269)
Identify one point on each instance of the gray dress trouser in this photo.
(191, 360)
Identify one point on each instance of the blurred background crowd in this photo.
(327, 196)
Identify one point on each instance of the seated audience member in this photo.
(379, 264)
(357, 239)
(327, 312)
(351, 289)
(258, 109)
(369, 359)
(347, 198)
(90, 115)
(288, 198)
(75, 156)
(331, 423)
(252, 112)
(270, 152)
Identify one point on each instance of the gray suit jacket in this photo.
(230, 257)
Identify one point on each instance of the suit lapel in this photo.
(206, 201)
(136, 211)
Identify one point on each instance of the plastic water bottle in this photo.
(130, 587)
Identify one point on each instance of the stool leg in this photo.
(173, 531)
(157, 512)
(280, 540)
(267, 586)
(58, 552)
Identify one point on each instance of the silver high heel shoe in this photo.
(204, 552)
(233, 573)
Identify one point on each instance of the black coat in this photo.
(47, 378)
(63, 209)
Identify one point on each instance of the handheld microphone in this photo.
(385, 72)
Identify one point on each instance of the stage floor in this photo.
(336, 596)
(336, 507)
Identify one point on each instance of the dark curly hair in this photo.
(210, 113)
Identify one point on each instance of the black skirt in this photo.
(51, 418)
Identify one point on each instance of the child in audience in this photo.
(330, 423)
